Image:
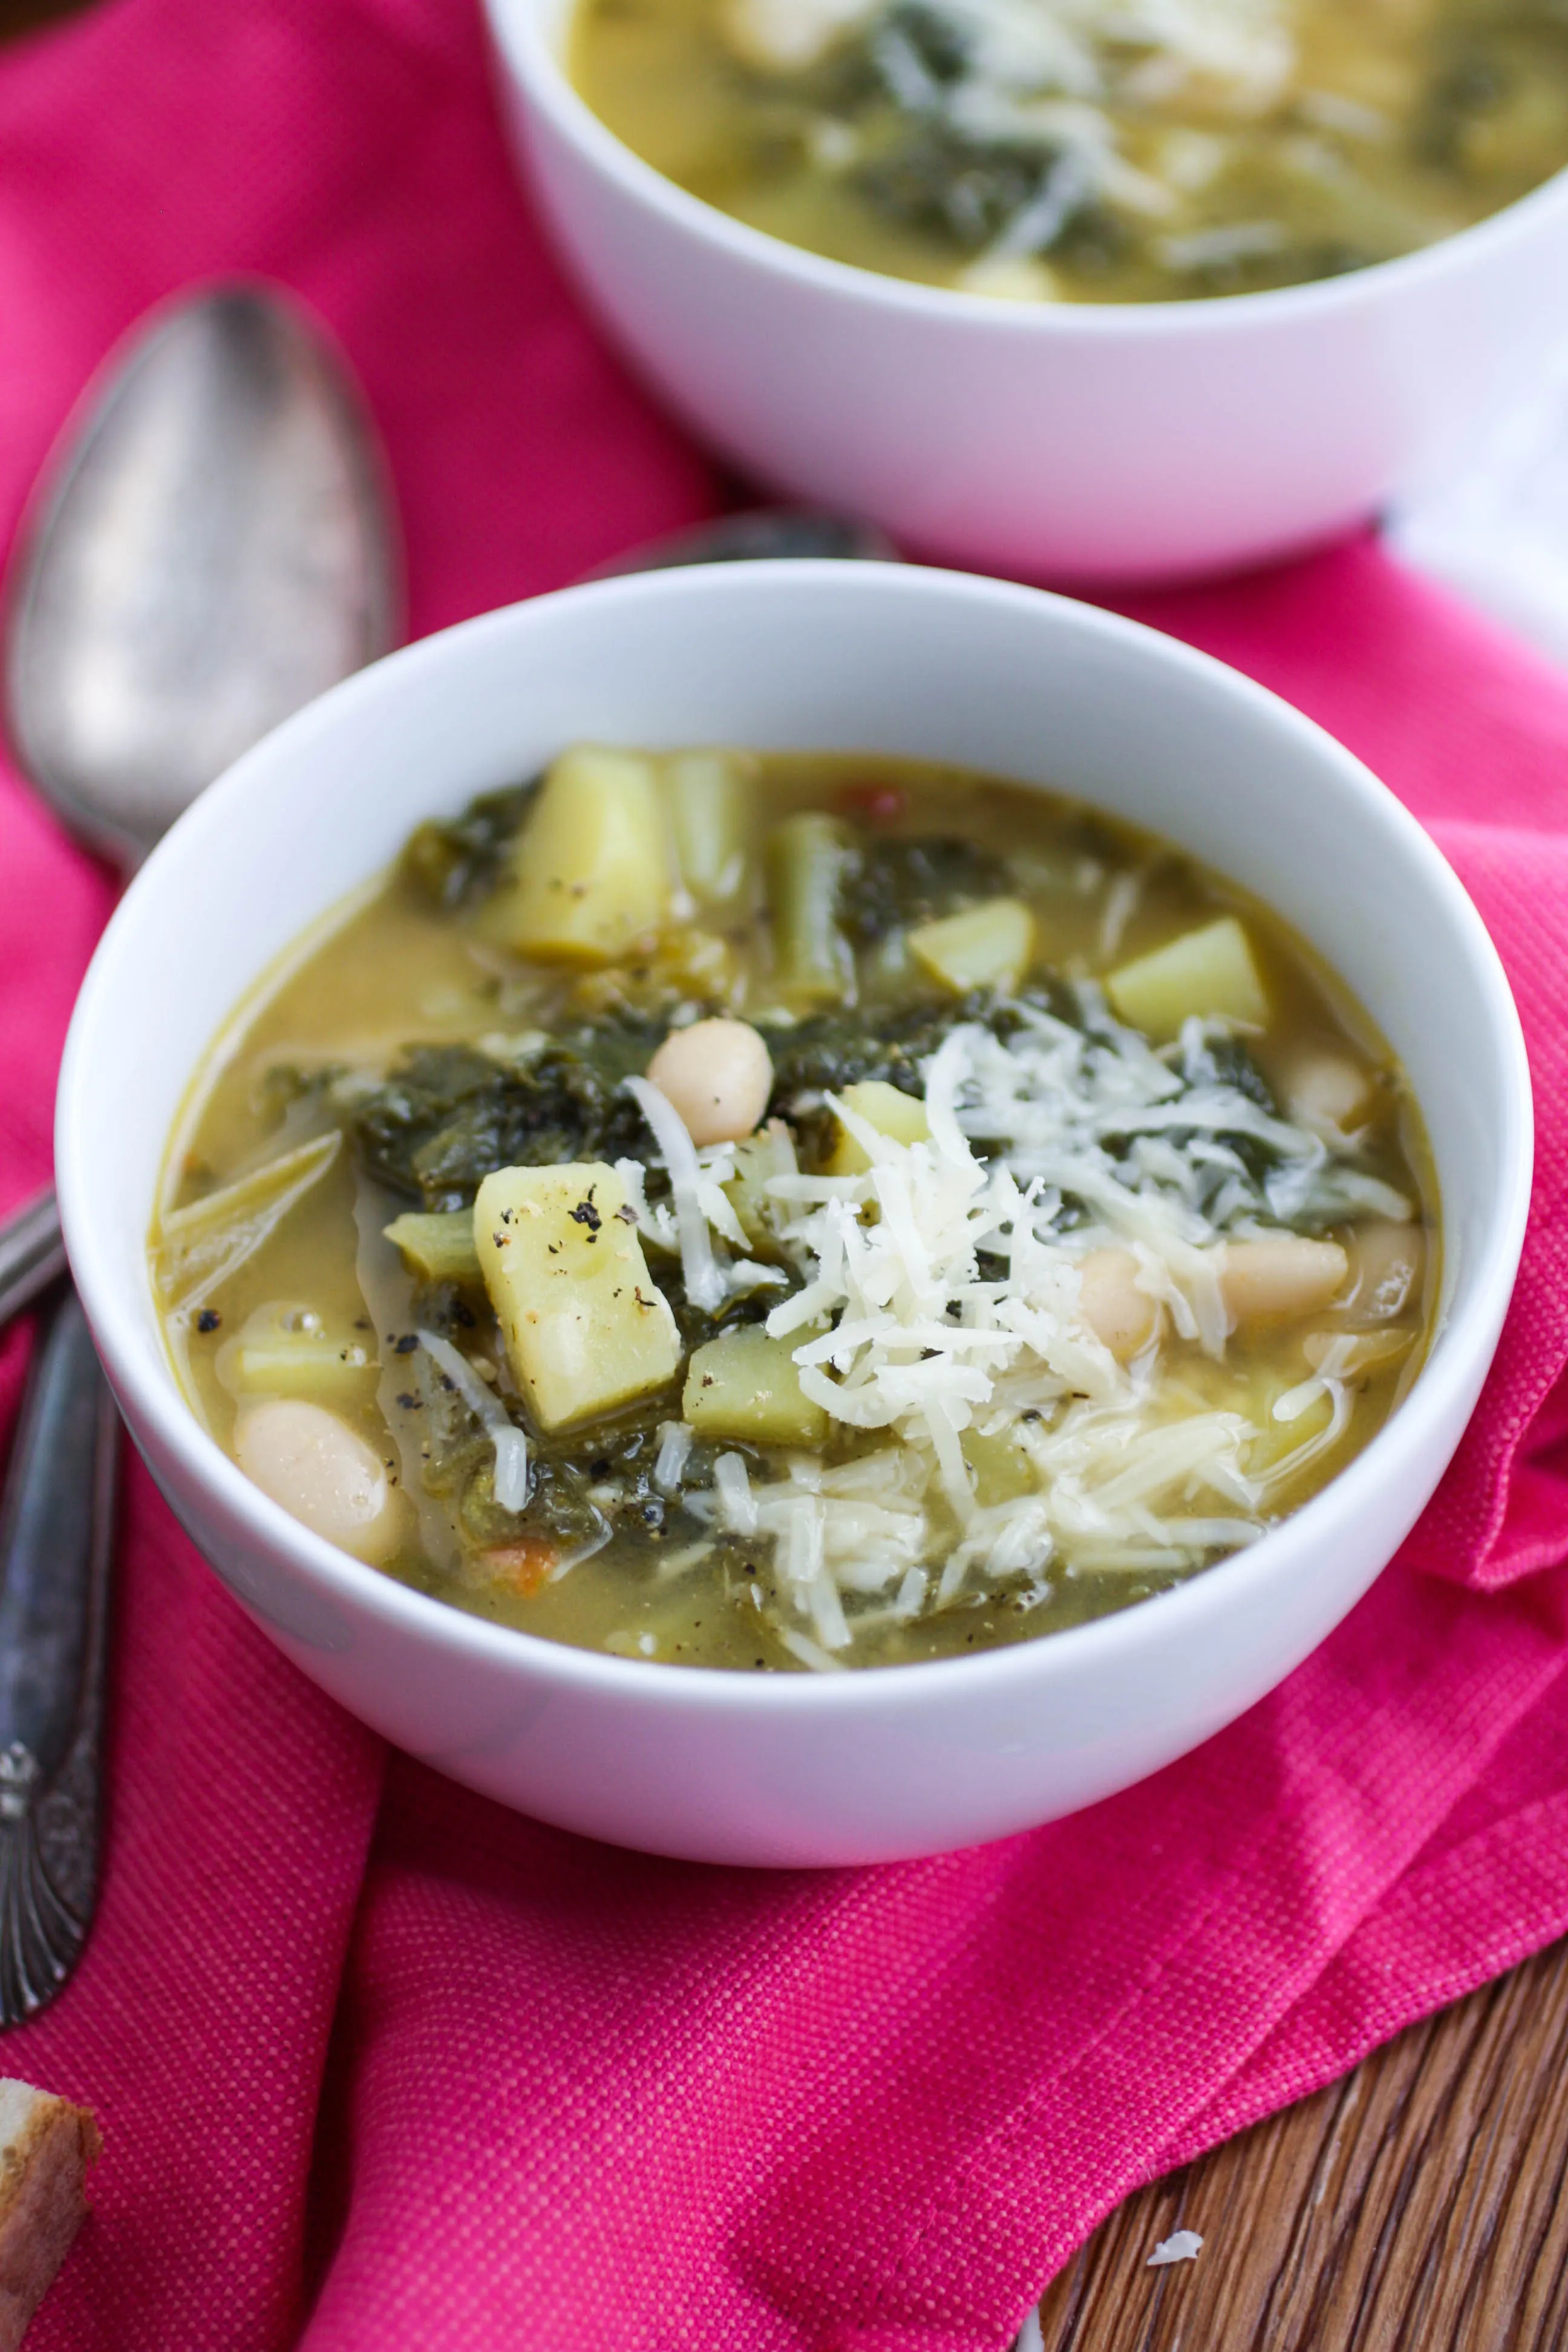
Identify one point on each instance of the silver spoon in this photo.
(210, 547)
(213, 548)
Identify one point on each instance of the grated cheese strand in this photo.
(705, 1283)
(510, 1445)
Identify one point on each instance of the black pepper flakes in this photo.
(209, 1319)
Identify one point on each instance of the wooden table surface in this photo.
(1418, 2206)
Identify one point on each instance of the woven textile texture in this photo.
(380, 2065)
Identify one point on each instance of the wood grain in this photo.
(1418, 2206)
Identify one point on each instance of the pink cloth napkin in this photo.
(380, 2064)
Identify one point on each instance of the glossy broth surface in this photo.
(1082, 151)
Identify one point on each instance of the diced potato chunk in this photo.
(591, 866)
(901, 1117)
(586, 1328)
(708, 803)
(438, 1247)
(744, 1385)
(1210, 972)
(990, 946)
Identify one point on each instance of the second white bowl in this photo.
(1079, 442)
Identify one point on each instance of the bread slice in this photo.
(46, 2147)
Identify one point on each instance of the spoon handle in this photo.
(56, 1538)
(32, 1253)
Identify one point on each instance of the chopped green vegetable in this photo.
(807, 858)
(834, 1051)
(745, 1385)
(286, 1350)
(895, 883)
(768, 1153)
(454, 860)
(199, 1247)
(436, 1248)
(707, 798)
(449, 1116)
(1001, 1466)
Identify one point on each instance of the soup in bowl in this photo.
(1089, 151)
(1083, 293)
(794, 1212)
(848, 1119)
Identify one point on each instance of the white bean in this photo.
(1386, 1263)
(322, 1473)
(1279, 1276)
(1120, 1315)
(1325, 1088)
(717, 1075)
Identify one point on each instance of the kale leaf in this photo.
(454, 861)
(834, 1050)
(449, 1116)
(902, 882)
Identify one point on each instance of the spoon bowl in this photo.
(213, 550)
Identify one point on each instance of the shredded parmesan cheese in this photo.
(509, 1444)
(948, 1276)
(705, 1285)
(1050, 75)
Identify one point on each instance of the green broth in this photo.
(1358, 130)
(419, 968)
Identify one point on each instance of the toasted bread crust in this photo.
(47, 2148)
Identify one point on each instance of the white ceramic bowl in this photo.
(1077, 442)
(798, 1768)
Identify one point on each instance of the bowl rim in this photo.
(518, 34)
(116, 1294)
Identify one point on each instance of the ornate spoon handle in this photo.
(31, 1253)
(56, 1537)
